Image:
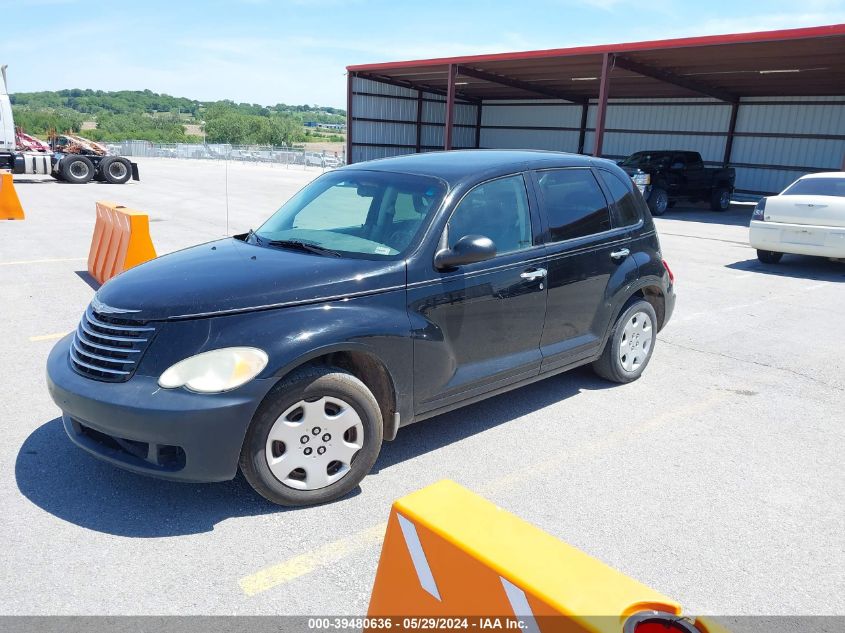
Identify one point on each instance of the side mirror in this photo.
(467, 250)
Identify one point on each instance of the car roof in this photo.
(457, 165)
(824, 174)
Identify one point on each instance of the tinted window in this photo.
(623, 198)
(574, 203)
(497, 209)
(816, 187)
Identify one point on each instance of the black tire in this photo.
(115, 170)
(610, 364)
(720, 199)
(309, 385)
(769, 257)
(57, 175)
(658, 201)
(77, 169)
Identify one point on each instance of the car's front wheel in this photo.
(313, 439)
(630, 345)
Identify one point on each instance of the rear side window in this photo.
(574, 203)
(497, 209)
(622, 198)
(816, 187)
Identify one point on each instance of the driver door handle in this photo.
(531, 275)
(620, 254)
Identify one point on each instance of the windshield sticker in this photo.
(382, 250)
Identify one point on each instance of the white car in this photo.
(806, 218)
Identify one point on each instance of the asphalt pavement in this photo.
(717, 478)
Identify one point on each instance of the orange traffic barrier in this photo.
(450, 556)
(121, 240)
(10, 204)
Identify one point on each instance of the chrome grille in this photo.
(108, 349)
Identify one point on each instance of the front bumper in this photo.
(138, 426)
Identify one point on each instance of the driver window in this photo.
(497, 209)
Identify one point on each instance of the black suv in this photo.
(381, 294)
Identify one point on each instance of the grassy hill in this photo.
(143, 114)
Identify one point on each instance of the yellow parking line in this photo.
(47, 337)
(43, 261)
(297, 566)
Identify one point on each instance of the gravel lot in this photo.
(717, 478)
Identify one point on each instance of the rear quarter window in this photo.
(622, 198)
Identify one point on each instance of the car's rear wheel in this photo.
(313, 439)
(658, 201)
(768, 257)
(630, 345)
(115, 170)
(720, 199)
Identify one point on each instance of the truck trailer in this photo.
(70, 158)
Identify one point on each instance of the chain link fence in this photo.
(286, 156)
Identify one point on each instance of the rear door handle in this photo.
(620, 254)
(531, 275)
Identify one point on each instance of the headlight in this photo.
(641, 179)
(215, 371)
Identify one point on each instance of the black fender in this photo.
(377, 325)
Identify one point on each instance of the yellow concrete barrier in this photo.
(121, 240)
(448, 553)
(10, 204)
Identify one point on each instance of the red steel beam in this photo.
(450, 106)
(478, 126)
(604, 86)
(349, 79)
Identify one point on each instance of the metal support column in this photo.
(601, 113)
(349, 80)
(729, 141)
(582, 132)
(450, 106)
(478, 126)
(419, 120)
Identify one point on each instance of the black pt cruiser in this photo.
(381, 294)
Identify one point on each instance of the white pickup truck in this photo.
(72, 159)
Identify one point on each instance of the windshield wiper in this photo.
(308, 247)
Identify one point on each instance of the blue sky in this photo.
(296, 51)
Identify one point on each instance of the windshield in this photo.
(816, 187)
(645, 158)
(370, 214)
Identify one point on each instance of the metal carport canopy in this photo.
(793, 62)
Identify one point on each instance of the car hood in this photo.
(230, 275)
